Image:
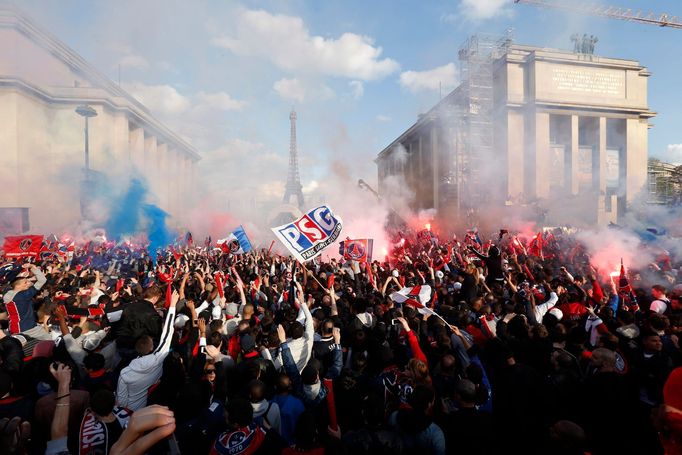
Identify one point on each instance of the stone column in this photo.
(515, 154)
(435, 168)
(636, 132)
(599, 177)
(151, 165)
(165, 176)
(9, 144)
(572, 183)
(190, 195)
(121, 140)
(600, 161)
(541, 159)
(417, 181)
(137, 148)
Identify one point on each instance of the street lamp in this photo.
(86, 112)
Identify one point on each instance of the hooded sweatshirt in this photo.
(143, 372)
(267, 414)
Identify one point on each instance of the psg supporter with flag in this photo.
(523, 345)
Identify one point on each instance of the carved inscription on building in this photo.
(594, 81)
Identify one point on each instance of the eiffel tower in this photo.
(293, 187)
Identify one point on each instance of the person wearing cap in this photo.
(90, 340)
(144, 371)
(19, 304)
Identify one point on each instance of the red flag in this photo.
(330, 281)
(176, 255)
(331, 404)
(219, 284)
(19, 246)
(168, 279)
(358, 250)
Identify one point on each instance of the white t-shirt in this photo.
(659, 306)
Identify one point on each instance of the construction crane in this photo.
(613, 12)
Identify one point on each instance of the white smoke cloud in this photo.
(288, 44)
(219, 101)
(443, 77)
(167, 101)
(290, 89)
(478, 10)
(162, 99)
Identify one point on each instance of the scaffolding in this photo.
(473, 118)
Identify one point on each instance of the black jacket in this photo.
(138, 318)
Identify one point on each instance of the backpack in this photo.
(264, 417)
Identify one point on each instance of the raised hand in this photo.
(146, 427)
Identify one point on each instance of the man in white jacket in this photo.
(300, 344)
(143, 372)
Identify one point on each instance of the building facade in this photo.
(42, 82)
(560, 134)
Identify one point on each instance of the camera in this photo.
(395, 322)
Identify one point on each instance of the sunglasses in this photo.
(209, 371)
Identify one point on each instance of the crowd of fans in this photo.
(202, 351)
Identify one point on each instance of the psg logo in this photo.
(355, 250)
(25, 244)
(234, 246)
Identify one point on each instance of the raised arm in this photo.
(417, 352)
(337, 356)
(167, 333)
(288, 362)
(40, 277)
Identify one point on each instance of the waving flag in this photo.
(307, 236)
(19, 246)
(625, 290)
(416, 297)
(235, 243)
(357, 250)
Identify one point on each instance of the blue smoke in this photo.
(125, 215)
(131, 214)
(157, 232)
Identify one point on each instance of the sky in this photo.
(225, 74)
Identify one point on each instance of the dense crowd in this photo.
(519, 349)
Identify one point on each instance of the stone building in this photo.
(560, 132)
(42, 82)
